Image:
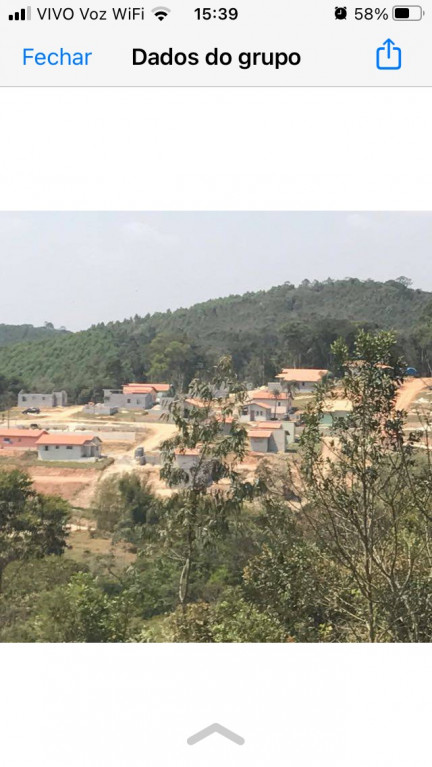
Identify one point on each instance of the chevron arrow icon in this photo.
(220, 730)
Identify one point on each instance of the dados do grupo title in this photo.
(245, 59)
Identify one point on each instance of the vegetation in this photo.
(261, 331)
(332, 544)
(12, 334)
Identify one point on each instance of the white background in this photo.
(184, 149)
(219, 149)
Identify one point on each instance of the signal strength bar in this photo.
(23, 15)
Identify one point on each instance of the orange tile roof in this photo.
(144, 387)
(161, 386)
(138, 388)
(311, 375)
(260, 404)
(187, 451)
(265, 394)
(259, 434)
(269, 425)
(22, 433)
(66, 439)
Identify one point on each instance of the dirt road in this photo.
(409, 391)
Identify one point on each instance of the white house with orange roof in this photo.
(265, 405)
(303, 379)
(65, 446)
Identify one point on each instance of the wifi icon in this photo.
(161, 12)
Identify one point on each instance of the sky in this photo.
(78, 269)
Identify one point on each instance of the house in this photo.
(131, 397)
(32, 399)
(270, 437)
(20, 439)
(256, 411)
(162, 390)
(335, 408)
(68, 447)
(225, 423)
(303, 379)
(187, 459)
(265, 405)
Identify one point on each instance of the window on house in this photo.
(68, 447)
(57, 447)
(46, 447)
(128, 401)
(6, 439)
(24, 399)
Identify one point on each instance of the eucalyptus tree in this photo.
(358, 499)
(212, 490)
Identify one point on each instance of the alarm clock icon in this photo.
(341, 12)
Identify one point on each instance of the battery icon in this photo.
(408, 12)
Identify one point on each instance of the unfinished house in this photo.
(34, 399)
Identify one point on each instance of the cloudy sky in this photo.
(76, 269)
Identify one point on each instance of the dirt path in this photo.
(410, 390)
(157, 433)
(124, 463)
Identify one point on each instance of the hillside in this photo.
(286, 325)
(12, 334)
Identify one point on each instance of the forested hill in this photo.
(12, 334)
(286, 325)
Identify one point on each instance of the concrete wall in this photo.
(27, 441)
(255, 413)
(69, 452)
(289, 429)
(277, 441)
(116, 398)
(259, 445)
(34, 399)
(303, 387)
(280, 406)
(100, 409)
(60, 398)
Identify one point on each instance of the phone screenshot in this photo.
(215, 384)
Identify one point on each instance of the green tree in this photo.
(212, 492)
(31, 525)
(231, 619)
(123, 503)
(82, 612)
(357, 495)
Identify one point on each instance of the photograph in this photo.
(216, 427)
